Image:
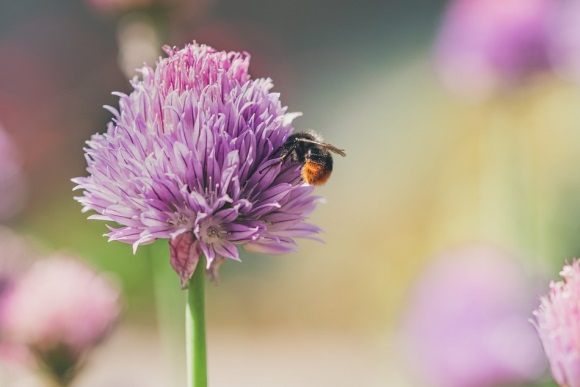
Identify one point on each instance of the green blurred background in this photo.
(413, 184)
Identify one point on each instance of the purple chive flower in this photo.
(191, 156)
(59, 310)
(565, 40)
(486, 46)
(558, 325)
(467, 326)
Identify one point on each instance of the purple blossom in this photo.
(467, 326)
(565, 40)
(485, 46)
(59, 310)
(558, 325)
(191, 156)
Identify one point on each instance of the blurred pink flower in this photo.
(486, 46)
(558, 325)
(59, 309)
(565, 40)
(12, 183)
(467, 324)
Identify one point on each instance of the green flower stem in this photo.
(169, 305)
(195, 329)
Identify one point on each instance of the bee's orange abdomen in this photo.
(314, 173)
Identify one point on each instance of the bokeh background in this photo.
(442, 195)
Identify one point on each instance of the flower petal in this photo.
(185, 253)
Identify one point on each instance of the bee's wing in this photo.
(334, 149)
(330, 147)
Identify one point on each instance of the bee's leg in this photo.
(284, 155)
(282, 158)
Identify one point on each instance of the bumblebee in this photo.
(315, 156)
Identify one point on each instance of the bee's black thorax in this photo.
(300, 151)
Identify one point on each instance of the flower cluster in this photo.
(558, 325)
(466, 323)
(59, 310)
(488, 46)
(191, 156)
